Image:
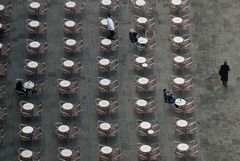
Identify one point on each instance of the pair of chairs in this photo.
(111, 88)
(180, 27)
(186, 64)
(41, 29)
(76, 29)
(38, 71)
(187, 42)
(189, 108)
(113, 7)
(75, 69)
(3, 69)
(111, 132)
(71, 134)
(71, 89)
(111, 67)
(185, 87)
(5, 50)
(153, 155)
(147, 65)
(190, 129)
(192, 151)
(76, 48)
(77, 9)
(35, 112)
(74, 112)
(110, 109)
(113, 47)
(35, 155)
(183, 8)
(139, 27)
(34, 136)
(42, 49)
(115, 155)
(152, 131)
(7, 11)
(148, 87)
(42, 10)
(74, 157)
(148, 109)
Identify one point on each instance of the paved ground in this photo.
(215, 38)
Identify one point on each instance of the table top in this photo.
(34, 44)
(180, 102)
(145, 148)
(182, 147)
(35, 5)
(142, 20)
(140, 59)
(179, 80)
(63, 128)
(106, 42)
(140, 3)
(67, 106)
(71, 42)
(70, 23)
(145, 125)
(66, 153)
(182, 123)
(28, 106)
(105, 82)
(1, 7)
(27, 129)
(179, 59)
(178, 39)
(65, 83)
(176, 2)
(28, 85)
(26, 153)
(150, 132)
(104, 61)
(32, 64)
(106, 2)
(68, 63)
(104, 103)
(142, 40)
(143, 80)
(106, 150)
(70, 4)
(105, 126)
(141, 102)
(104, 21)
(144, 65)
(34, 23)
(177, 19)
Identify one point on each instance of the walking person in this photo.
(111, 27)
(223, 72)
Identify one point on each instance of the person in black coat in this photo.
(133, 35)
(223, 72)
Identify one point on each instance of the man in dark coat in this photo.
(223, 72)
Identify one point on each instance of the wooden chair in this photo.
(3, 69)
(2, 92)
(74, 112)
(42, 10)
(35, 156)
(34, 136)
(71, 134)
(72, 30)
(75, 154)
(112, 132)
(3, 113)
(2, 136)
(78, 9)
(150, 35)
(75, 69)
(77, 48)
(7, 11)
(5, 50)
(4, 30)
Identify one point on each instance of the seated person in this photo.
(133, 35)
(168, 96)
(19, 88)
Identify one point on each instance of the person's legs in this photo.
(112, 32)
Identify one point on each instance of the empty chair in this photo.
(6, 9)
(144, 84)
(105, 129)
(29, 133)
(73, 7)
(105, 107)
(72, 27)
(4, 28)
(36, 48)
(147, 129)
(150, 35)
(142, 64)
(3, 113)
(148, 152)
(68, 154)
(181, 84)
(68, 109)
(72, 45)
(5, 49)
(106, 65)
(2, 91)
(67, 87)
(36, 27)
(37, 8)
(180, 43)
(66, 132)
(70, 67)
(26, 154)
(181, 62)
(144, 107)
(30, 110)
(3, 69)
(109, 153)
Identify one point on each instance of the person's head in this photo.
(164, 90)
(225, 62)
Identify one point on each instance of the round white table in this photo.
(177, 20)
(105, 126)
(182, 123)
(143, 80)
(145, 125)
(68, 63)
(70, 23)
(105, 82)
(182, 147)
(63, 128)
(67, 106)
(104, 22)
(28, 85)
(140, 59)
(34, 24)
(27, 129)
(141, 102)
(1, 7)
(71, 42)
(70, 4)
(106, 42)
(142, 40)
(34, 44)
(103, 103)
(179, 59)
(176, 2)
(35, 5)
(140, 3)
(28, 106)
(145, 148)
(32, 64)
(179, 80)
(66, 153)
(178, 39)
(106, 150)
(65, 83)
(150, 132)
(180, 102)
(106, 2)
(104, 61)
(144, 65)
(142, 20)
(26, 153)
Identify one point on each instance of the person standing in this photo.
(223, 72)
(111, 27)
